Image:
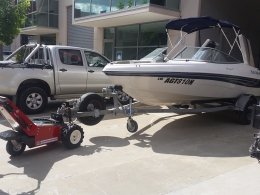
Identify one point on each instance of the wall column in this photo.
(98, 39)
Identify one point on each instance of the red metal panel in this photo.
(47, 134)
(17, 115)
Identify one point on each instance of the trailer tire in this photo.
(89, 102)
(12, 150)
(32, 100)
(245, 116)
(72, 136)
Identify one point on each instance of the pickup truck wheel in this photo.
(88, 103)
(33, 100)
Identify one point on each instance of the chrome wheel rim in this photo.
(34, 101)
(18, 147)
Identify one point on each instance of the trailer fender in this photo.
(242, 101)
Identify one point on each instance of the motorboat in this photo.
(194, 73)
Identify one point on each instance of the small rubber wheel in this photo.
(134, 127)
(90, 102)
(72, 136)
(33, 100)
(15, 151)
(246, 115)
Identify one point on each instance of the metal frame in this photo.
(183, 36)
(130, 111)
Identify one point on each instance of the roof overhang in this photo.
(39, 30)
(140, 14)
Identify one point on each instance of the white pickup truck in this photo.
(54, 71)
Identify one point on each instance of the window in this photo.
(126, 36)
(95, 60)
(133, 42)
(70, 57)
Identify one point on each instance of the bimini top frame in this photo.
(190, 25)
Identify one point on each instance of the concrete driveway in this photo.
(189, 154)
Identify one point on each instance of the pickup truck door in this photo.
(96, 78)
(72, 72)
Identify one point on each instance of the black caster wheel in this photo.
(134, 126)
(15, 150)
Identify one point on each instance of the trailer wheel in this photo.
(72, 136)
(90, 102)
(33, 100)
(134, 127)
(15, 150)
(246, 115)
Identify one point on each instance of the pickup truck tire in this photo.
(32, 100)
(89, 102)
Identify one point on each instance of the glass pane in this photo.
(53, 6)
(125, 54)
(53, 20)
(152, 52)
(142, 52)
(223, 58)
(109, 33)
(205, 54)
(173, 4)
(108, 50)
(33, 4)
(49, 39)
(42, 19)
(29, 21)
(118, 4)
(189, 52)
(70, 57)
(100, 6)
(142, 2)
(153, 34)
(95, 60)
(42, 6)
(82, 8)
(127, 36)
(158, 2)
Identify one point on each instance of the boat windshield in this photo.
(154, 53)
(204, 54)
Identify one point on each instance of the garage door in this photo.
(79, 36)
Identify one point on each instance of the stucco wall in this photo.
(61, 37)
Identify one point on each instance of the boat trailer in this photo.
(90, 109)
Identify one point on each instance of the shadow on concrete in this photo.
(205, 135)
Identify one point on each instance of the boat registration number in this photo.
(178, 81)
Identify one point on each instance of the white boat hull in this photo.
(148, 87)
(151, 92)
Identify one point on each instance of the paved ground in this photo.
(190, 154)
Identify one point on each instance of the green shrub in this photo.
(20, 55)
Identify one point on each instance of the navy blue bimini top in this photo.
(190, 25)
